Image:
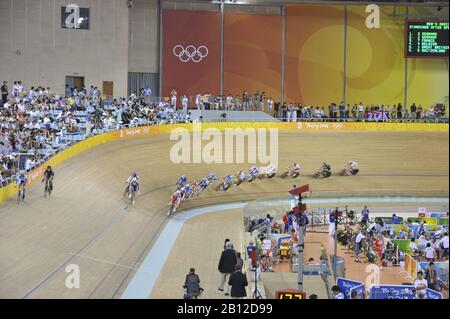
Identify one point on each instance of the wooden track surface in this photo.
(86, 222)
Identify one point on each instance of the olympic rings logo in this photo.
(190, 53)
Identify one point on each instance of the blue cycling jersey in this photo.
(22, 179)
(134, 187)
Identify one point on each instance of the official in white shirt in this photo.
(184, 103)
(420, 285)
(358, 245)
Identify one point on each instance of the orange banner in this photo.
(252, 54)
(314, 54)
(191, 52)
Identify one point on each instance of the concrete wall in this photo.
(35, 49)
(144, 39)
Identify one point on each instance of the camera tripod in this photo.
(256, 293)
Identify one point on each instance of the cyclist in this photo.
(48, 178)
(21, 180)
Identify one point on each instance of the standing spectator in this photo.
(365, 215)
(29, 163)
(419, 112)
(430, 253)
(184, 103)
(238, 282)
(335, 110)
(147, 94)
(435, 246)
(395, 219)
(227, 264)
(341, 110)
(443, 243)
(413, 111)
(331, 220)
(360, 111)
(399, 111)
(420, 285)
(250, 250)
(198, 101)
(431, 277)
(354, 111)
(413, 247)
(286, 223)
(239, 261)
(270, 106)
(358, 245)
(379, 249)
(4, 91)
(268, 223)
(192, 285)
(245, 101)
(289, 112)
(421, 228)
(276, 108)
(225, 243)
(173, 99)
(422, 243)
(305, 221)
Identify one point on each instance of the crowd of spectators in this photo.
(292, 112)
(359, 112)
(36, 123)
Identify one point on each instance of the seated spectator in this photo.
(30, 163)
(337, 293)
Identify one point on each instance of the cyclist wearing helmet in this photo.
(294, 168)
(326, 167)
(133, 176)
(182, 181)
(48, 177)
(48, 174)
(353, 167)
(21, 180)
(240, 176)
(134, 187)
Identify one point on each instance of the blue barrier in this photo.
(346, 285)
(400, 292)
(359, 290)
(392, 292)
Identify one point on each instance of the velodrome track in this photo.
(86, 222)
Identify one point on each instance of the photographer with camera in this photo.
(192, 289)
